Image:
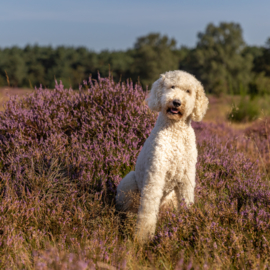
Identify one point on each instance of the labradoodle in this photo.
(166, 166)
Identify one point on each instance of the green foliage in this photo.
(260, 85)
(262, 62)
(221, 60)
(12, 63)
(218, 59)
(153, 55)
(246, 110)
(253, 50)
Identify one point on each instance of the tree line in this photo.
(221, 60)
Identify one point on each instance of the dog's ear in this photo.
(201, 104)
(154, 98)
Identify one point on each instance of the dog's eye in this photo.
(173, 87)
(188, 91)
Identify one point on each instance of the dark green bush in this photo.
(260, 85)
(247, 110)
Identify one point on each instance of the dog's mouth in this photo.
(173, 111)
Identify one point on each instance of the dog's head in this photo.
(178, 95)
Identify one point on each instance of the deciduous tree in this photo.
(218, 59)
(153, 55)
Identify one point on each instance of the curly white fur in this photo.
(165, 169)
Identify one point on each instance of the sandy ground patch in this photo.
(6, 92)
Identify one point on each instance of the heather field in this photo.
(62, 155)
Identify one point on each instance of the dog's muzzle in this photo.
(174, 109)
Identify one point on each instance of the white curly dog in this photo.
(166, 166)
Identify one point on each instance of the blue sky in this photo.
(115, 24)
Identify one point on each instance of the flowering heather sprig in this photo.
(92, 137)
(225, 169)
(259, 134)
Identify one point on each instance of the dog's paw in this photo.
(144, 232)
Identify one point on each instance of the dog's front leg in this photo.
(186, 185)
(151, 195)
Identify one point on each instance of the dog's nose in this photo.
(176, 103)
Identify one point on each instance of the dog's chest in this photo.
(181, 152)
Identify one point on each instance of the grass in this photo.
(62, 155)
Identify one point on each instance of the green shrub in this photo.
(247, 110)
(260, 85)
